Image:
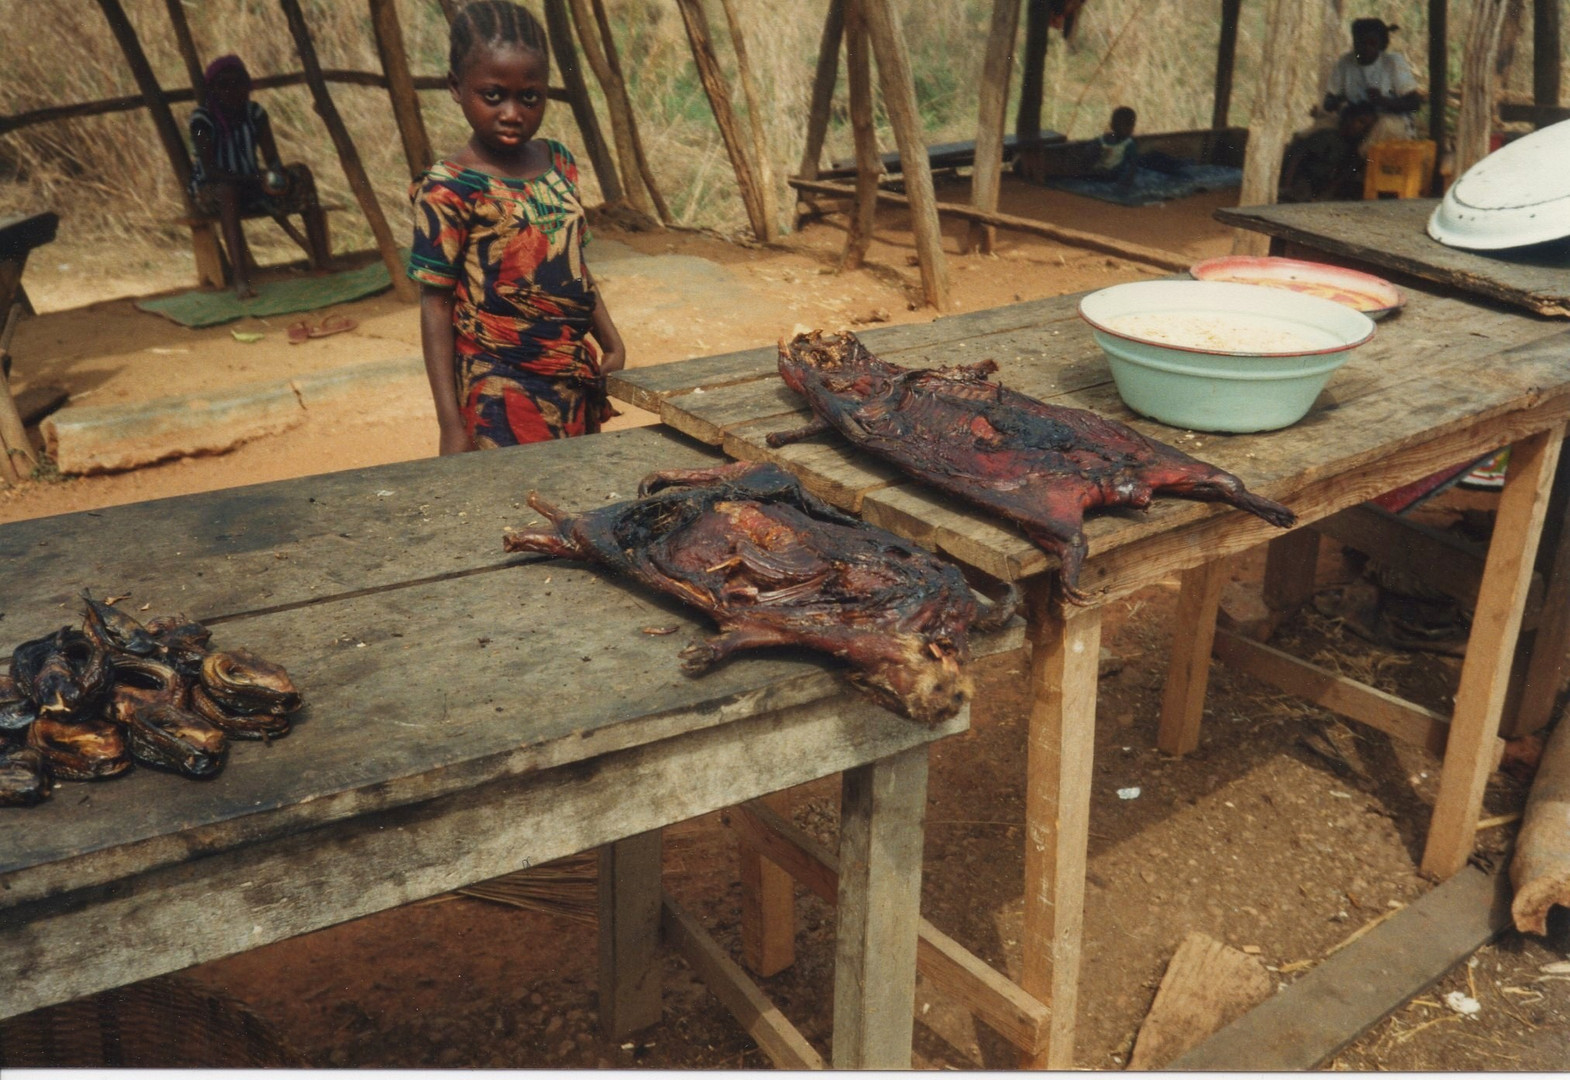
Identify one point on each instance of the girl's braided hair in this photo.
(493, 22)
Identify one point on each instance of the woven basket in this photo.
(168, 1022)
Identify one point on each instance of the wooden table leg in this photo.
(1290, 562)
(629, 886)
(1485, 674)
(768, 914)
(1193, 635)
(881, 813)
(1550, 657)
(1065, 649)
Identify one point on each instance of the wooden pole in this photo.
(1438, 81)
(1226, 63)
(187, 46)
(718, 93)
(869, 165)
(1547, 51)
(559, 28)
(1475, 123)
(644, 171)
(450, 9)
(348, 156)
(400, 85)
(823, 89)
(619, 106)
(152, 93)
(899, 101)
(1289, 23)
(991, 119)
(760, 142)
(1027, 122)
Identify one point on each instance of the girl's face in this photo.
(501, 91)
(1366, 46)
(229, 91)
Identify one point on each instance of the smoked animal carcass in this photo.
(1038, 465)
(774, 566)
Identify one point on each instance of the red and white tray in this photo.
(1373, 296)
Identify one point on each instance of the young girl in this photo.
(1371, 73)
(506, 302)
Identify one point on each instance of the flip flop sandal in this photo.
(333, 324)
(299, 333)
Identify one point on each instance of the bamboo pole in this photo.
(991, 119)
(558, 26)
(823, 80)
(1027, 123)
(348, 156)
(760, 140)
(617, 104)
(400, 85)
(718, 93)
(1289, 23)
(1438, 82)
(899, 101)
(1226, 63)
(869, 165)
(644, 170)
(187, 45)
(1475, 123)
(168, 130)
(1547, 50)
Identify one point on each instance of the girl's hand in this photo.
(613, 359)
(454, 441)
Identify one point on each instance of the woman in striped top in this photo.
(227, 130)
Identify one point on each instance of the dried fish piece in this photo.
(242, 682)
(115, 631)
(141, 681)
(183, 641)
(169, 737)
(65, 674)
(24, 776)
(80, 749)
(17, 710)
(238, 725)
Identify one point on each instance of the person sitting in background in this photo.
(227, 130)
(1117, 153)
(1371, 74)
(1325, 162)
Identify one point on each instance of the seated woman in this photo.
(227, 130)
(1371, 73)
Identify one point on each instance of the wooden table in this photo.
(1407, 403)
(468, 713)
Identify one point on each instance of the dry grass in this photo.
(108, 177)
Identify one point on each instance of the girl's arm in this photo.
(613, 355)
(266, 144)
(437, 341)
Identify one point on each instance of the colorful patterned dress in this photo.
(512, 252)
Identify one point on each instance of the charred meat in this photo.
(774, 566)
(166, 736)
(65, 674)
(80, 749)
(24, 778)
(1038, 465)
(140, 682)
(114, 631)
(182, 641)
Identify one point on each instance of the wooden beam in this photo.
(1165, 260)
(768, 914)
(869, 165)
(608, 39)
(1547, 51)
(629, 890)
(991, 120)
(617, 104)
(152, 94)
(1226, 63)
(558, 27)
(1027, 121)
(348, 156)
(760, 141)
(1438, 79)
(400, 85)
(823, 80)
(1188, 672)
(186, 44)
(1479, 79)
(718, 93)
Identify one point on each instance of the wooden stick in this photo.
(609, 40)
(186, 44)
(1226, 63)
(1547, 48)
(823, 80)
(348, 156)
(1165, 260)
(899, 101)
(760, 141)
(152, 93)
(1027, 121)
(718, 93)
(400, 85)
(869, 165)
(617, 103)
(991, 119)
(558, 25)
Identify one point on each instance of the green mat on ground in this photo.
(200, 308)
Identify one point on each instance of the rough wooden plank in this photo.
(1065, 647)
(1290, 564)
(59, 944)
(1188, 672)
(1485, 675)
(629, 930)
(1304, 1025)
(1392, 234)
(768, 915)
(1206, 986)
(1358, 701)
(757, 1015)
(882, 808)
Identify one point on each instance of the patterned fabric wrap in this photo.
(512, 252)
(234, 141)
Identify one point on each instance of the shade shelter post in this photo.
(760, 142)
(823, 80)
(623, 127)
(609, 39)
(992, 117)
(152, 93)
(1226, 62)
(1547, 51)
(190, 55)
(400, 85)
(558, 27)
(869, 165)
(1027, 122)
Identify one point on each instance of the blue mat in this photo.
(1150, 187)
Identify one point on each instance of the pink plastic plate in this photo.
(1373, 296)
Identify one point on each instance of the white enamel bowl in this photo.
(1518, 195)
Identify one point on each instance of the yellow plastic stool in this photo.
(1399, 169)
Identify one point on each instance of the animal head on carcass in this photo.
(924, 676)
(839, 362)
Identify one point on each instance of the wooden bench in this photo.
(212, 267)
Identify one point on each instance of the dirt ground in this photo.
(1285, 832)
